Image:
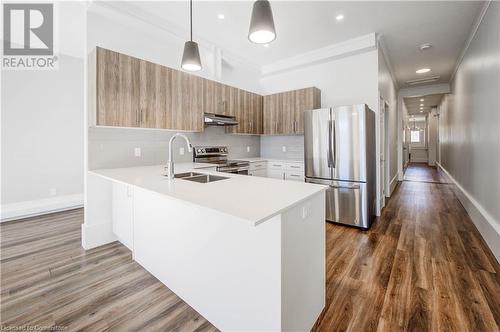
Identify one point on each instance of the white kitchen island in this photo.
(247, 253)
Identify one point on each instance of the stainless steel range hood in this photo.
(212, 119)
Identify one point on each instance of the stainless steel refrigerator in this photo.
(339, 151)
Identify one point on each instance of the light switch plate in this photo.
(283, 148)
(248, 149)
(137, 152)
(181, 151)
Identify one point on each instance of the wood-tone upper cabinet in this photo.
(248, 112)
(155, 109)
(305, 99)
(136, 93)
(186, 101)
(273, 114)
(255, 108)
(117, 89)
(284, 112)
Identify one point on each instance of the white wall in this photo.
(42, 132)
(344, 81)
(469, 128)
(388, 92)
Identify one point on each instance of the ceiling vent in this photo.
(423, 80)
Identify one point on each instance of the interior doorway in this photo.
(384, 149)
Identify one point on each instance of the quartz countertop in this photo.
(254, 199)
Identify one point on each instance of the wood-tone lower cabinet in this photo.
(284, 112)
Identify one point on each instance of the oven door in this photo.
(233, 170)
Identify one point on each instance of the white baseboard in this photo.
(97, 235)
(26, 209)
(484, 222)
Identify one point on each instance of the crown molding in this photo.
(126, 10)
(475, 27)
(385, 54)
(349, 47)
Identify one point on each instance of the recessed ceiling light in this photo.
(425, 46)
(221, 16)
(422, 99)
(339, 17)
(421, 111)
(421, 108)
(423, 70)
(421, 104)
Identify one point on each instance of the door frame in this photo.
(382, 153)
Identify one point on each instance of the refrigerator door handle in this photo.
(333, 143)
(330, 162)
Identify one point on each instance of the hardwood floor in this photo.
(48, 279)
(422, 267)
(420, 172)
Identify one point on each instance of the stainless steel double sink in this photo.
(199, 177)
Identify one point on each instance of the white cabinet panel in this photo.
(258, 172)
(275, 173)
(123, 213)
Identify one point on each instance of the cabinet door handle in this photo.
(283, 176)
(276, 127)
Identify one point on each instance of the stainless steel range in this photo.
(218, 155)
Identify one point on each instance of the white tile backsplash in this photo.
(115, 147)
(282, 147)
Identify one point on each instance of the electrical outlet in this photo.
(137, 152)
(283, 148)
(181, 151)
(52, 191)
(248, 149)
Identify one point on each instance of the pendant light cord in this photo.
(191, 18)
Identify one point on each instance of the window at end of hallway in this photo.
(415, 136)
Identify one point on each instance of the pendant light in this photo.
(191, 56)
(262, 23)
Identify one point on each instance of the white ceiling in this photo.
(430, 101)
(303, 26)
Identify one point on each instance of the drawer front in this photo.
(294, 176)
(276, 165)
(295, 167)
(259, 165)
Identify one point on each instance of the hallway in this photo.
(421, 172)
(423, 266)
(410, 272)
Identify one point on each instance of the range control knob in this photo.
(199, 150)
(224, 149)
